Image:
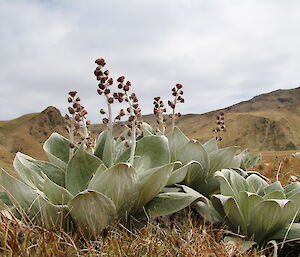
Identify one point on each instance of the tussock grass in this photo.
(189, 238)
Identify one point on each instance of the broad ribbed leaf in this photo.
(95, 179)
(248, 202)
(92, 211)
(218, 202)
(223, 159)
(80, 170)
(152, 182)
(189, 172)
(276, 186)
(55, 193)
(33, 171)
(5, 199)
(275, 195)
(28, 171)
(153, 150)
(120, 184)
(207, 211)
(168, 203)
(194, 151)
(225, 186)
(57, 149)
(211, 145)
(294, 233)
(31, 202)
(176, 140)
(256, 184)
(269, 217)
(100, 144)
(234, 215)
(108, 150)
(292, 189)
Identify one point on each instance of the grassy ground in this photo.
(189, 236)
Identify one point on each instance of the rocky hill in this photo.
(266, 122)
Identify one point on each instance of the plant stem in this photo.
(133, 132)
(110, 123)
(71, 136)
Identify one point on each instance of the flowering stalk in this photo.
(105, 83)
(220, 120)
(134, 112)
(159, 111)
(177, 93)
(78, 115)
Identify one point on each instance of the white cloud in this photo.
(222, 51)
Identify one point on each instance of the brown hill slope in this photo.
(266, 122)
(27, 133)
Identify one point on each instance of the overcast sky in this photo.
(222, 51)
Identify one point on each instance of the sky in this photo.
(222, 51)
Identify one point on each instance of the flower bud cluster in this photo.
(76, 119)
(220, 121)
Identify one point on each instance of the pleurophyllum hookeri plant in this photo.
(199, 162)
(93, 185)
(256, 209)
(249, 160)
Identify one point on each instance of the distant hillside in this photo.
(266, 122)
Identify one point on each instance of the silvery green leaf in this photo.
(108, 150)
(256, 184)
(276, 186)
(92, 212)
(190, 172)
(218, 201)
(100, 143)
(55, 193)
(209, 186)
(57, 149)
(153, 150)
(234, 214)
(223, 159)
(293, 232)
(296, 199)
(31, 201)
(5, 199)
(193, 151)
(105, 148)
(33, 171)
(275, 195)
(97, 175)
(211, 145)
(248, 202)
(231, 183)
(269, 217)
(176, 140)
(168, 203)
(28, 171)
(207, 211)
(80, 170)
(292, 189)
(152, 181)
(120, 184)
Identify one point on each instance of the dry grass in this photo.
(189, 239)
(281, 164)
